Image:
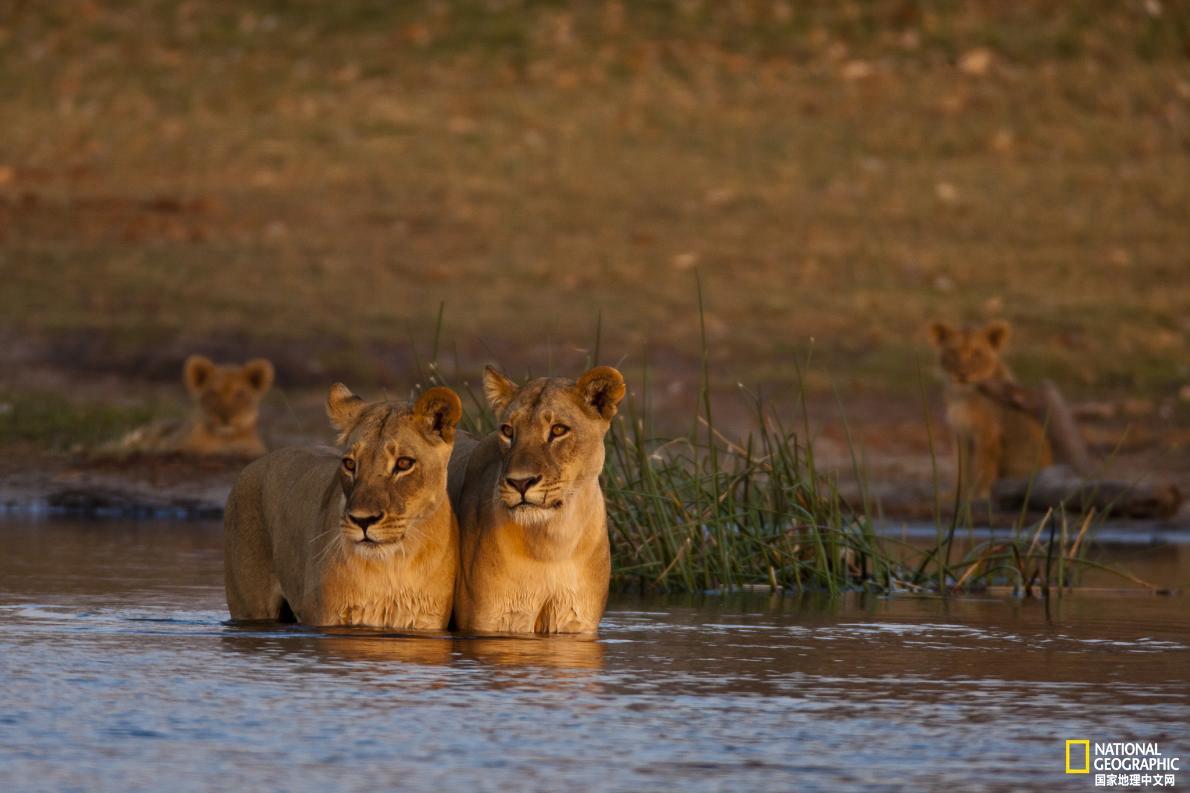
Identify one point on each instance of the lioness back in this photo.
(272, 517)
(363, 535)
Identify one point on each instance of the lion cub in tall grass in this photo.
(996, 440)
(226, 406)
(364, 535)
(535, 556)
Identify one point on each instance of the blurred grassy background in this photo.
(309, 181)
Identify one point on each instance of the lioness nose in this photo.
(364, 521)
(522, 485)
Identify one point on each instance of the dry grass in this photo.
(319, 176)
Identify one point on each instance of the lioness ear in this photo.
(441, 410)
(197, 372)
(343, 409)
(601, 389)
(497, 388)
(939, 332)
(259, 372)
(997, 333)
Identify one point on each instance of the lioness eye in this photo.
(558, 430)
(348, 464)
(403, 464)
(506, 430)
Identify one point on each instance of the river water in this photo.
(117, 672)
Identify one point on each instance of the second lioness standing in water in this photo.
(534, 550)
(362, 536)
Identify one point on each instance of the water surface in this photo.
(119, 674)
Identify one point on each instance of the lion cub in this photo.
(535, 556)
(996, 440)
(226, 404)
(362, 536)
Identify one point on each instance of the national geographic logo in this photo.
(1122, 763)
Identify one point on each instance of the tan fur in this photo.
(226, 406)
(536, 561)
(346, 537)
(995, 440)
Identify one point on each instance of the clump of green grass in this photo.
(700, 512)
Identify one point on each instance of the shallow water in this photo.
(119, 674)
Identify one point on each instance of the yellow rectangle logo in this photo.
(1085, 767)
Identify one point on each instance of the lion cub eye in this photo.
(506, 430)
(403, 464)
(348, 464)
(558, 430)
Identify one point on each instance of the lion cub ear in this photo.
(259, 372)
(440, 409)
(196, 373)
(343, 408)
(497, 388)
(601, 390)
(997, 333)
(939, 333)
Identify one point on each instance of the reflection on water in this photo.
(119, 673)
(345, 646)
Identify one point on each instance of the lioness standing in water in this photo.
(362, 536)
(995, 439)
(534, 549)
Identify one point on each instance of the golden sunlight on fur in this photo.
(359, 535)
(535, 556)
(995, 440)
(226, 406)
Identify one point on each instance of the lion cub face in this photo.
(228, 397)
(551, 438)
(393, 471)
(970, 355)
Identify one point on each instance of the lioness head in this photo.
(970, 355)
(393, 470)
(228, 397)
(551, 437)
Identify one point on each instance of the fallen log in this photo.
(1061, 486)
